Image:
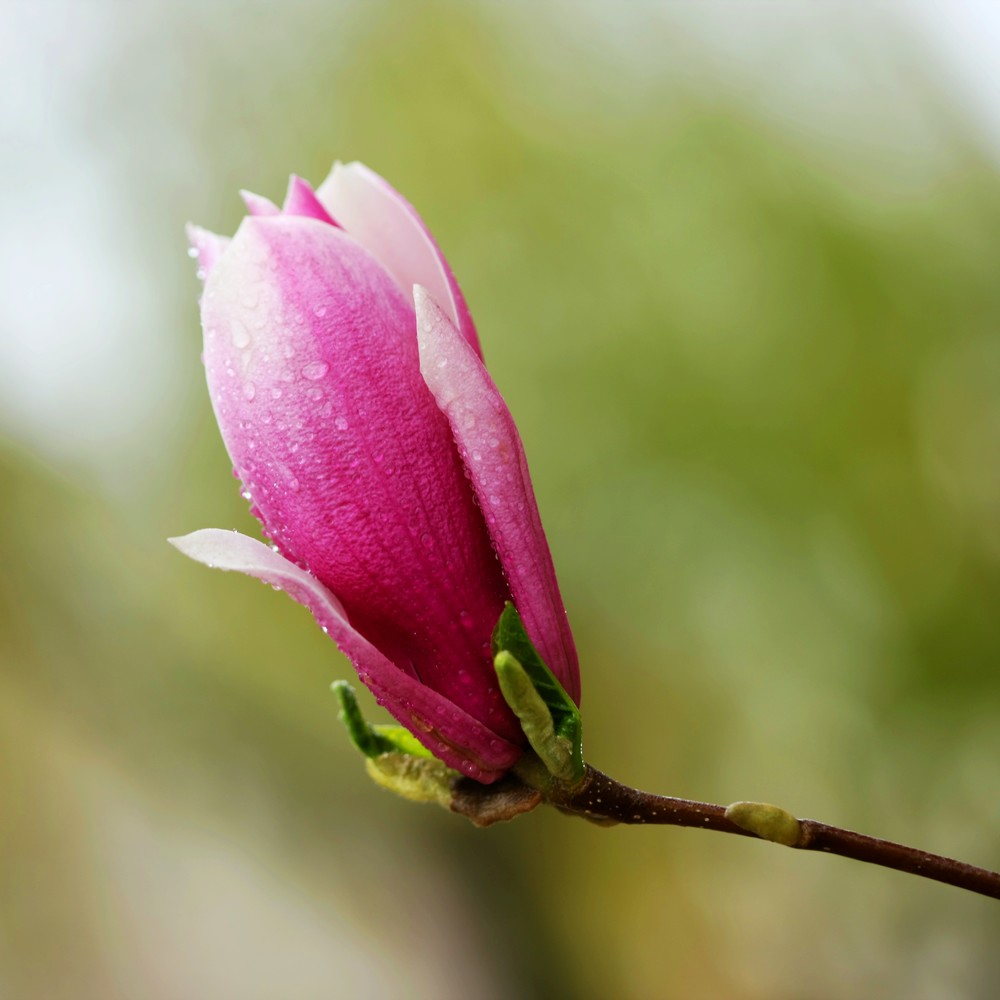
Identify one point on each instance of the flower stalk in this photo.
(601, 799)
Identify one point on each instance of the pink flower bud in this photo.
(383, 464)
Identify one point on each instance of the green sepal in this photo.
(549, 717)
(373, 740)
(418, 779)
(401, 739)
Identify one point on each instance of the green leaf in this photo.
(374, 740)
(510, 637)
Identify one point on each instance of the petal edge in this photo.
(448, 732)
(491, 448)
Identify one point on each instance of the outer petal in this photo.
(449, 733)
(302, 200)
(494, 457)
(207, 247)
(311, 359)
(382, 220)
(257, 204)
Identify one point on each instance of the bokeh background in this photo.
(735, 267)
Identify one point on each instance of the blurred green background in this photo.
(735, 269)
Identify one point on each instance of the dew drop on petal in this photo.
(276, 393)
(319, 311)
(315, 369)
(249, 391)
(340, 423)
(240, 334)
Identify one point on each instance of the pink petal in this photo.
(491, 448)
(301, 200)
(449, 733)
(311, 360)
(258, 205)
(382, 220)
(207, 248)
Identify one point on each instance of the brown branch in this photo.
(604, 800)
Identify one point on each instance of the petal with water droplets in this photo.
(384, 222)
(207, 246)
(491, 448)
(449, 733)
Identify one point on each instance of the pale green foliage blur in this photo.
(758, 377)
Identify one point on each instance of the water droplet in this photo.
(193, 252)
(249, 391)
(319, 310)
(464, 677)
(315, 370)
(466, 619)
(494, 442)
(240, 334)
(426, 540)
(246, 495)
(340, 423)
(275, 393)
(293, 484)
(288, 351)
(476, 457)
(315, 393)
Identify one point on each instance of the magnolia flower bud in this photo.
(348, 384)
